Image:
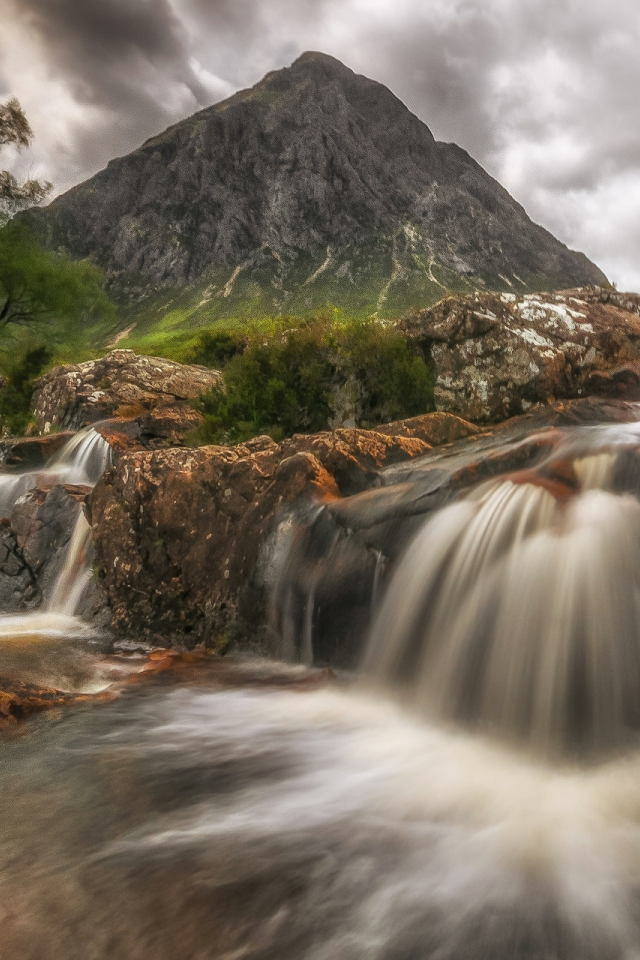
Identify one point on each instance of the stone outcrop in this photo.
(155, 391)
(33, 544)
(496, 356)
(317, 185)
(178, 532)
(30, 453)
(264, 542)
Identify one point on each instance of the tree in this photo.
(37, 284)
(15, 129)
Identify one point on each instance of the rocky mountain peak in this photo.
(316, 186)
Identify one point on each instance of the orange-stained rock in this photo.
(434, 428)
(19, 700)
(178, 532)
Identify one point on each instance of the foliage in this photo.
(36, 284)
(213, 349)
(17, 390)
(15, 129)
(286, 383)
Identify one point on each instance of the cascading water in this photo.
(30, 643)
(275, 824)
(516, 610)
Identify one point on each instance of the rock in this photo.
(123, 385)
(496, 356)
(33, 545)
(265, 543)
(433, 428)
(178, 532)
(29, 453)
(317, 185)
(19, 700)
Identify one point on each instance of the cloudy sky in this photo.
(544, 93)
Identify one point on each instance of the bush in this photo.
(285, 383)
(214, 349)
(17, 391)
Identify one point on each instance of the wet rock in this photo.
(29, 453)
(433, 428)
(124, 385)
(270, 544)
(497, 355)
(178, 532)
(19, 700)
(33, 544)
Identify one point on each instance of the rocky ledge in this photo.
(264, 542)
(497, 355)
(123, 384)
(181, 536)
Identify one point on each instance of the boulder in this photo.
(33, 545)
(178, 532)
(123, 384)
(269, 543)
(30, 453)
(497, 355)
(433, 428)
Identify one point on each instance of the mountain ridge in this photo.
(316, 186)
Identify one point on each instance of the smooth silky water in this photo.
(474, 795)
(52, 645)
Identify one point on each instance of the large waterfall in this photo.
(516, 609)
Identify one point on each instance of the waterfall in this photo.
(81, 461)
(516, 611)
(75, 573)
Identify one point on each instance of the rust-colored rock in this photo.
(498, 355)
(19, 700)
(30, 453)
(178, 532)
(433, 428)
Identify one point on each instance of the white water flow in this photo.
(517, 612)
(80, 462)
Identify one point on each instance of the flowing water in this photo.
(475, 795)
(50, 645)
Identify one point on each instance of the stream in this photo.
(472, 792)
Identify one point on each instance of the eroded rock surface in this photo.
(123, 384)
(178, 532)
(274, 543)
(33, 544)
(497, 355)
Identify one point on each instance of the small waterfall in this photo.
(81, 461)
(75, 573)
(517, 612)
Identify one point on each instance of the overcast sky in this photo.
(545, 94)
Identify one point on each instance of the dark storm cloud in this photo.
(543, 93)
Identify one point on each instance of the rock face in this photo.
(495, 356)
(122, 384)
(33, 545)
(30, 453)
(178, 533)
(317, 184)
(288, 546)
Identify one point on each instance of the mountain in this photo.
(316, 186)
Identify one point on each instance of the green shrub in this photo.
(283, 383)
(16, 393)
(215, 349)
